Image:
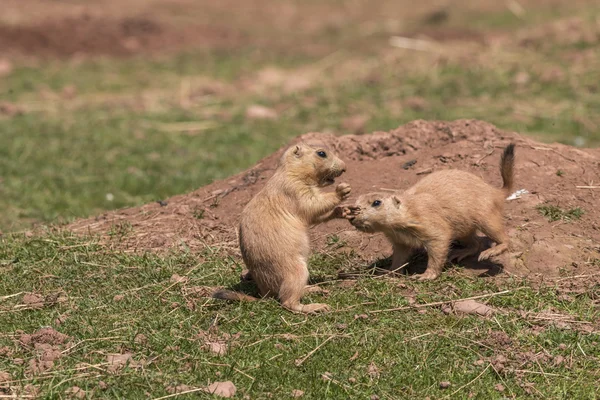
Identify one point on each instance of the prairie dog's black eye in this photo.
(322, 154)
(376, 203)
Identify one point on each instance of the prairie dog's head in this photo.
(375, 211)
(313, 162)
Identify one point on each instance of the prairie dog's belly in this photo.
(271, 240)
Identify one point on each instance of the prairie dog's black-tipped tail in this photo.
(507, 162)
(233, 296)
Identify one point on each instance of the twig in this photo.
(180, 393)
(10, 295)
(526, 371)
(587, 187)
(300, 361)
(582, 352)
(392, 271)
(469, 383)
(439, 303)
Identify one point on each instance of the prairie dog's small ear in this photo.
(396, 201)
(298, 151)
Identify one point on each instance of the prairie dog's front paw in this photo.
(351, 211)
(343, 191)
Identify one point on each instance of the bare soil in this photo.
(554, 175)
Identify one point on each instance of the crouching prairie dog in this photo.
(273, 230)
(444, 206)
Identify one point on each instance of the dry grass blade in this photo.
(180, 393)
(301, 361)
(10, 296)
(469, 383)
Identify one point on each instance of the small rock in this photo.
(472, 307)
(499, 387)
(118, 298)
(297, 393)
(102, 385)
(352, 380)
(444, 385)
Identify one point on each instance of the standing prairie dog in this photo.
(444, 206)
(273, 229)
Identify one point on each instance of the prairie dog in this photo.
(444, 206)
(273, 230)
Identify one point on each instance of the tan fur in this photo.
(274, 225)
(444, 206)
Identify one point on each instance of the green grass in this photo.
(401, 354)
(555, 213)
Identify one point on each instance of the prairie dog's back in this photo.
(458, 191)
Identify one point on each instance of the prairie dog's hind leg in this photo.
(494, 229)
(292, 289)
(471, 247)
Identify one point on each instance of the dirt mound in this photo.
(43, 336)
(555, 226)
(90, 35)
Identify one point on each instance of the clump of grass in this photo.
(120, 229)
(555, 213)
(199, 213)
(560, 172)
